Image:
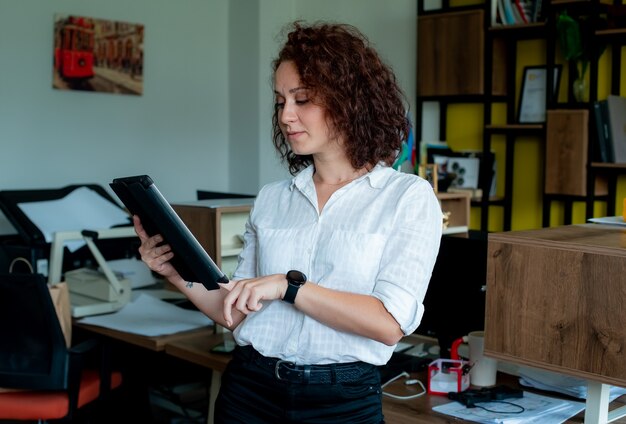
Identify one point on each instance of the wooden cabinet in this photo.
(218, 225)
(450, 53)
(555, 300)
(567, 154)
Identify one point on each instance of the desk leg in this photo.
(597, 405)
(216, 380)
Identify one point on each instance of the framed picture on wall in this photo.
(532, 103)
(97, 55)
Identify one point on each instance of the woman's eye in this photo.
(302, 101)
(279, 105)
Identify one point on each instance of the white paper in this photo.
(82, 209)
(612, 220)
(136, 271)
(149, 316)
(560, 383)
(537, 410)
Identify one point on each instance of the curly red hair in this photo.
(362, 99)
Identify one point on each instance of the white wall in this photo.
(204, 119)
(177, 131)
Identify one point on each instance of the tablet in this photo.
(142, 198)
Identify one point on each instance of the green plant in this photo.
(576, 46)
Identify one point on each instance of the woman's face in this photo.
(302, 122)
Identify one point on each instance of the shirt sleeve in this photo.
(247, 259)
(409, 256)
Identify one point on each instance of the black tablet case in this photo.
(142, 198)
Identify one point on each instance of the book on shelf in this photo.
(535, 10)
(515, 12)
(520, 12)
(603, 145)
(508, 12)
(494, 12)
(617, 124)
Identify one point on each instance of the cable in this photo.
(407, 382)
(519, 411)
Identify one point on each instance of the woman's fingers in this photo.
(141, 232)
(229, 300)
(245, 296)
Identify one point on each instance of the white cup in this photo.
(483, 371)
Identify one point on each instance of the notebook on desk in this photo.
(142, 198)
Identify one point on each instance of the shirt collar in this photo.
(377, 177)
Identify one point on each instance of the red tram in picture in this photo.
(74, 48)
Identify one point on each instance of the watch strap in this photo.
(290, 294)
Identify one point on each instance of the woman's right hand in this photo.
(156, 256)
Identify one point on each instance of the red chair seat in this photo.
(35, 405)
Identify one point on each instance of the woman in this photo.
(336, 260)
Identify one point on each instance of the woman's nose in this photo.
(288, 114)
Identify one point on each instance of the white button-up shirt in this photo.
(379, 235)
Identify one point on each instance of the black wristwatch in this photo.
(295, 280)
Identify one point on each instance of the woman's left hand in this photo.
(247, 295)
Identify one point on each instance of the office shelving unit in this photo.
(462, 39)
(592, 180)
(508, 38)
(454, 52)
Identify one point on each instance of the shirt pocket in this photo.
(280, 250)
(350, 260)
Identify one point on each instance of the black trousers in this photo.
(256, 389)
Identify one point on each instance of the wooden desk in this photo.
(555, 300)
(417, 411)
(198, 351)
(155, 343)
(420, 410)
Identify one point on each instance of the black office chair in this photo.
(52, 381)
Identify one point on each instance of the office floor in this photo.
(179, 404)
(159, 388)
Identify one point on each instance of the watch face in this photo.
(296, 277)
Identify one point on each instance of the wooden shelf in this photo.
(493, 200)
(519, 31)
(527, 129)
(609, 166)
(458, 204)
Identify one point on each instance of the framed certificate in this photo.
(532, 103)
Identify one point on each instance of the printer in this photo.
(74, 249)
(92, 291)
